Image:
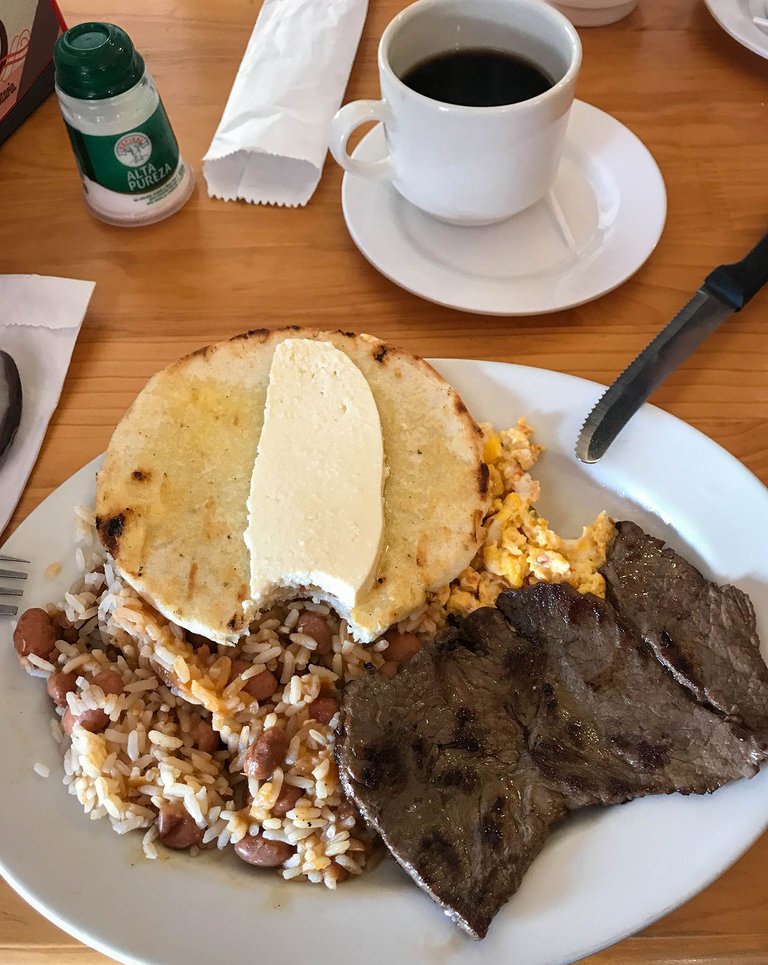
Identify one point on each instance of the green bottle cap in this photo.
(96, 60)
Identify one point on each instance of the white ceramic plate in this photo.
(735, 17)
(601, 221)
(602, 875)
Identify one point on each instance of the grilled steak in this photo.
(612, 723)
(436, 761)
(703, 633)
(465, 760)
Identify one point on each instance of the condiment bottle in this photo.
(131, 169)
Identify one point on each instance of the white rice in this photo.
(146, 758)
(40, 663)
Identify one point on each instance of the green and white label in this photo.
(135, 162)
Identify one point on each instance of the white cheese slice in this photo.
(316, 509)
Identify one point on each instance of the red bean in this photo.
(323, 709)
(266, 753)
(34, 633)
(389, 669)
(316, 626)
(205, 737)
(110, 681)
(262, 852)
(177, 829)
(261, 686)
(286, 800)
(59, 685)
(402, 646)
(95, 721)
(68, 721)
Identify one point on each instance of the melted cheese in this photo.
(315, 511)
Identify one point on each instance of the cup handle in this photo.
(346, 120)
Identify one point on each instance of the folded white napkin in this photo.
(40, 319)
(273, 136)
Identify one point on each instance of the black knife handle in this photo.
(736, 284)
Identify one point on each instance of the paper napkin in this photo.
(40, 319)
(273, 136)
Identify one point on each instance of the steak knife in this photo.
(725, 290)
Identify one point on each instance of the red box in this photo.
(28, 31)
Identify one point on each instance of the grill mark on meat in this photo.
(646, 755)
(618, 789)
(652, 756)
(492, 825)
(383, 764)
(548, 697)
(463, 778)
(467, 737)
(438, 847)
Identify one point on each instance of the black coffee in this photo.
(477, 77)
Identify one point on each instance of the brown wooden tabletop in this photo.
(697, 99)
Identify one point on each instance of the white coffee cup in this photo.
(468, 165)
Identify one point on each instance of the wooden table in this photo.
(697, 99)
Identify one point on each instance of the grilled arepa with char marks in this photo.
(172, 495)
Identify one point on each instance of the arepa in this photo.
(172, 494)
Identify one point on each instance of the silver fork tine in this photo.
(7, 609)
(12, 575)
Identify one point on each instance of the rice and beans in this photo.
(202, 747)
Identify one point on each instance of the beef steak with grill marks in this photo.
(465, 760)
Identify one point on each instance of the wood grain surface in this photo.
(697, 99)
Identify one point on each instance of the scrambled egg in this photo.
(519, 547)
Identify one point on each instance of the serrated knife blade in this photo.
(726, 290)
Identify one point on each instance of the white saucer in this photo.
(600, 222)
(735, 17)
